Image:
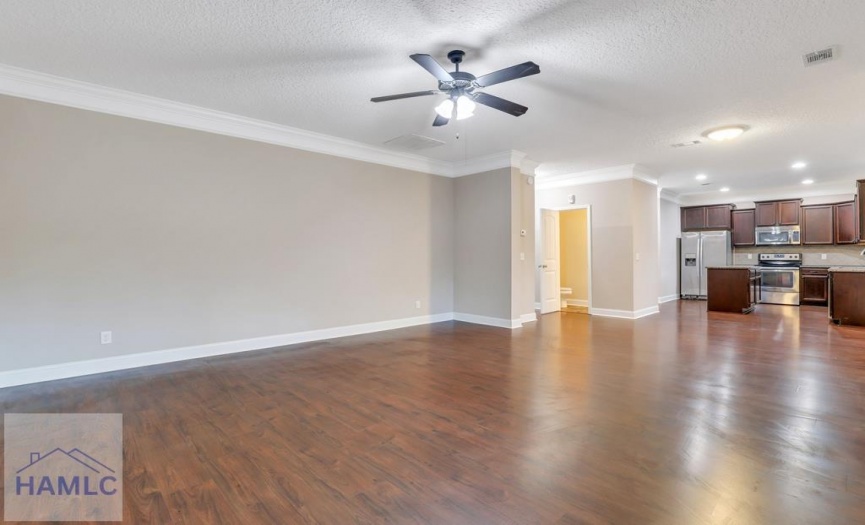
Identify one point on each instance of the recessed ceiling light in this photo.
(701, 176)
(725, 133)
(808, 181)
(799, 165)
(725, 189)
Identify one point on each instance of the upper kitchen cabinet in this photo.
(778, 213)
(718, 217)
(715, 217)
(847, 222)
(693, 218)
(818, 224)
(743, 227)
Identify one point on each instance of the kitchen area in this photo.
(780, 252)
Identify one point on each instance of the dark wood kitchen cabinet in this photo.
(847, 223)
(814, 286)
(818, 224)
(778, 213)
(743, 227)
(847, 297)
(717, 217)
(860, 202)
(732, 289)
(693, 218)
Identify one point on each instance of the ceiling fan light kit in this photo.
(463, 89)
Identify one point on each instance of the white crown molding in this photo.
(837, 188)
(669, 196)
(43, 87)
(643, 173)
(496, 161)
(613, 173)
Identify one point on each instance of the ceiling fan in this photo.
(462, 88)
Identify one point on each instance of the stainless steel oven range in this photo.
(780, 276)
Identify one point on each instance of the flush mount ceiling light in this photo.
(725, 133)
(725, 189)
(799, 165)
(808, 181)
(701, 176)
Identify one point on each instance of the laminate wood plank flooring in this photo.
(685, 417)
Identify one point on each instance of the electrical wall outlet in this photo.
(105, 338)
(823, 256)
(750, 256)
(417, 304)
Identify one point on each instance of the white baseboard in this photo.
(124, 362)
(577, 302)
(668, 298)
(646, 311)
(528, 318)
(624, 314)
(489, 321)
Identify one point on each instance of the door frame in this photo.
(588, 208)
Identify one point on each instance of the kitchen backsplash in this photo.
(849, 255)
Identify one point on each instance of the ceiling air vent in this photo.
(687, 144)
(413, 142)
(818, 57)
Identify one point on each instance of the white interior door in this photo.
(551, 299)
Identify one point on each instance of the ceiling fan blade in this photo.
(405, 95)
(500, 104)
(440, 121)
(429, 63)
(509, 73)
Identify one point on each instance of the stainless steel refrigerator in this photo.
(699, 251)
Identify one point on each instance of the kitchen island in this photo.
(847, 295)
(733, 289)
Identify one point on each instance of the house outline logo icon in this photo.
(66, 485)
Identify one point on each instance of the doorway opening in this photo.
(565, 269)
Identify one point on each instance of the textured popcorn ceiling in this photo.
(620, 81)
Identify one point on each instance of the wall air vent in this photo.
(413, 142)
(818, 57)
(687, 144)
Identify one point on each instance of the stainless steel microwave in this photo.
(777, 235)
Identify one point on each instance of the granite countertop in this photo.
(852, 269)
(731, 267)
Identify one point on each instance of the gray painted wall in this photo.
(668, 257)
(483, 253)
(644, 213)
(171, 237)
(523, 253)
(612, 237)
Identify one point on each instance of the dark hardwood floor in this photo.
(685, 417)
